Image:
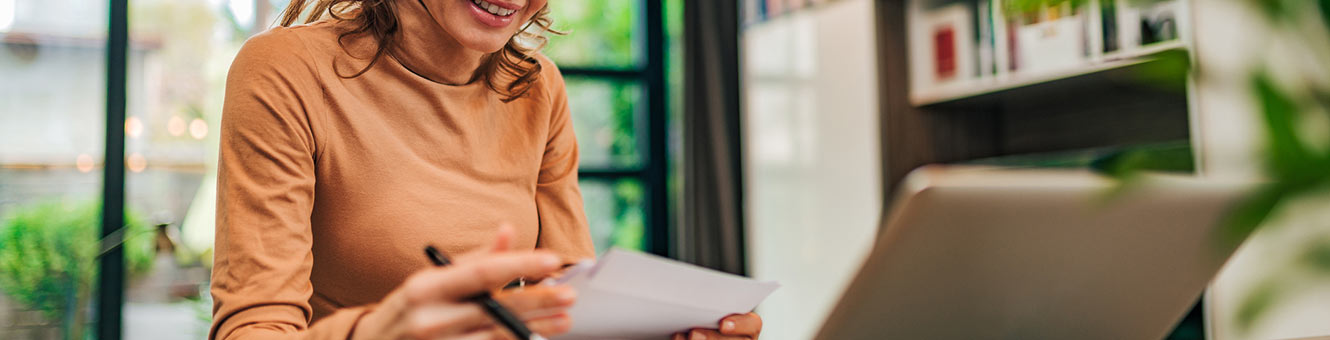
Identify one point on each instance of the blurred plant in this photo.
(48, 259)
(1026, 6)
(1294, 111)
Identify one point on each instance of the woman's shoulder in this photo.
(550, 80)
(290, 49)
(316, 38)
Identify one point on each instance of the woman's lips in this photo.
(493, 20)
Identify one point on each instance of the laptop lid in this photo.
(1036, 254)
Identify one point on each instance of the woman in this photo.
(350, 144)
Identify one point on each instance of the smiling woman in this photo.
(509, 70)
(351, 142)
(475, 126)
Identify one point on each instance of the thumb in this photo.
(503, 240)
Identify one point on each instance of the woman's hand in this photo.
(435, 303)
(733, 327)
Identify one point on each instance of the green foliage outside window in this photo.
(48, 259)
(599, 33)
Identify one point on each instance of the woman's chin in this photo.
(484, 45)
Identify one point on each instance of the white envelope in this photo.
(630, 295)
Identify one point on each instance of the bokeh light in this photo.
(175, 126)
(198, 128)
(133, 127)
(84, 163)
(136, 162)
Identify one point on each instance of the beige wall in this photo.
(813, 191)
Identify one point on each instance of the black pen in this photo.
(496, 310)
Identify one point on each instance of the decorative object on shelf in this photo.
(1052, 38)
(1159, 22)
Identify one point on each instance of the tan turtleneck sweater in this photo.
(329, 188)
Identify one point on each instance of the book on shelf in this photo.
(951, 48)
(986, 45)
(1109, 25)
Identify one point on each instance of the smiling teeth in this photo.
(492, 8)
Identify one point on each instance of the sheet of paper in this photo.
(629, 296)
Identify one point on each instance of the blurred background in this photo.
(760, 137)
(53, 121)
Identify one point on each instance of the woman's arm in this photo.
(265, 194)
(563, 224)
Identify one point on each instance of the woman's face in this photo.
(483, 25)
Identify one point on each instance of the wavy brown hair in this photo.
(510, 72)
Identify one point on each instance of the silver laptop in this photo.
(1037, 254)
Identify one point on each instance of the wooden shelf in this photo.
(138, 42)
(983, 90)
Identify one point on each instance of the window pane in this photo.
(600, 33)
(614, 208)
(605, 119)
(176, 74)
(52, 123)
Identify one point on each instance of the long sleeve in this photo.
(265, 192)
(563, 223)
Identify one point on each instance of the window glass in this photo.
(605, 119)
(52, 128)
(600, 34)
(183, 52)
(615, 211)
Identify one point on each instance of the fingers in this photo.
(484, 334)
(733, 327)
(749, 324)
(708, 334)
(548, 327)
(477, 275)
(552, 325)
(428, 322)
(538, 301)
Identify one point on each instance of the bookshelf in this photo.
(962, 48)
(972, 81)
(968, 80)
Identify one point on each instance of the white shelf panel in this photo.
(963, 89)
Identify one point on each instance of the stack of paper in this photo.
(628, 295)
